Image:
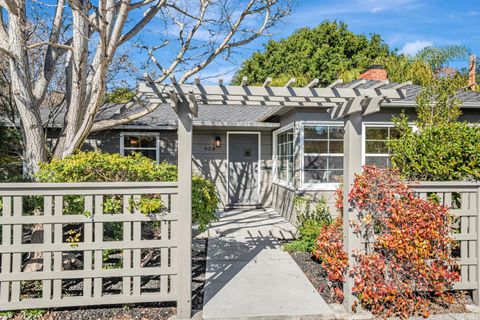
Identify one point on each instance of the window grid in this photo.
(380, 158)
(330, 157)
(284, 161)
(145, 150)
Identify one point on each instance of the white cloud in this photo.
(377, 9)
(412, 48)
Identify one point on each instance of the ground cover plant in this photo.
(312, 216)
(407, 263)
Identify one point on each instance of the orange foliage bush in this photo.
(407, 260)
(329, 251)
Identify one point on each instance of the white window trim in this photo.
(365, 125)
(384, 124)
(314, 186)
(274, 169)
(157, 142)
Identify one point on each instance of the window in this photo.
(376, 150)
(322, 153)
(284, 159)
(144, 143)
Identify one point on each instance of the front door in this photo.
(243, 166)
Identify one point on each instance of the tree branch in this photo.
(221, 47)
(151, 12)
(47, 43)
(186, 44)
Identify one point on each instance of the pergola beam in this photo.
(244, 82)
(313, 83)
(402, 85)
(334, 83)
(213, 92)
(193, 103)
(267, 82)
(290, 83)
(354, 85)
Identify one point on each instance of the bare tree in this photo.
(79, 40)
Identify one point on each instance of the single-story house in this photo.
(264, 156)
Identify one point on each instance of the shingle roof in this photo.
(164, 115)
(411, 90)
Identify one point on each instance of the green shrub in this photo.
(33, 314)
(95, 166)
(438, 153)
(441, 149)
(312, 216)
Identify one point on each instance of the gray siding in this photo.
(211, 162)
(109, 141)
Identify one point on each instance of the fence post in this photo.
(476, 293)
(184, 205)
(352, 164)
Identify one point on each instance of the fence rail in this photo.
(88, 243)
(463, 199)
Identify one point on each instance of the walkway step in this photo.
(249, 276)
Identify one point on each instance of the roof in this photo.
(165, 118)
(239, 115)
(468, 97)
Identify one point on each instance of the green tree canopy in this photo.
(328, 52)
(331, 51)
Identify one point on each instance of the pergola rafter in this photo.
(337, 99)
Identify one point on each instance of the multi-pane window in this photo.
(284, 161)
(376, 149)
(146, 144)
(323, 153)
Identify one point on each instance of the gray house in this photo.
(264, 156)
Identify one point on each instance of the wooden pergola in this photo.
(348, 102)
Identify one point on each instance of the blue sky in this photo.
(404, 24)
(408, 25)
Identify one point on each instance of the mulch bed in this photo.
(151, 311)
(317, 276)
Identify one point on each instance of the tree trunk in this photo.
(33, 133)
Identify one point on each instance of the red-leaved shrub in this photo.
(329, 251)
(407, 261)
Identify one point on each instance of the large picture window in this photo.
(376, 149)
(144, 143)
(322, 153)
(284, 159)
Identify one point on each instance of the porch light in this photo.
(217, 142)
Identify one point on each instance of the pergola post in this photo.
(352, 164)
(184, 204)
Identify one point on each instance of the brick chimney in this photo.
(375, 72)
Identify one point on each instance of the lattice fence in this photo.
(88, 244)
(463, 200)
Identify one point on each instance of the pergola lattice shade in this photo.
(341, 100)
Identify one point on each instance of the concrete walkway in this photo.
(248, 275)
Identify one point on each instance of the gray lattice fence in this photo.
(79, 272)
(463, 199)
